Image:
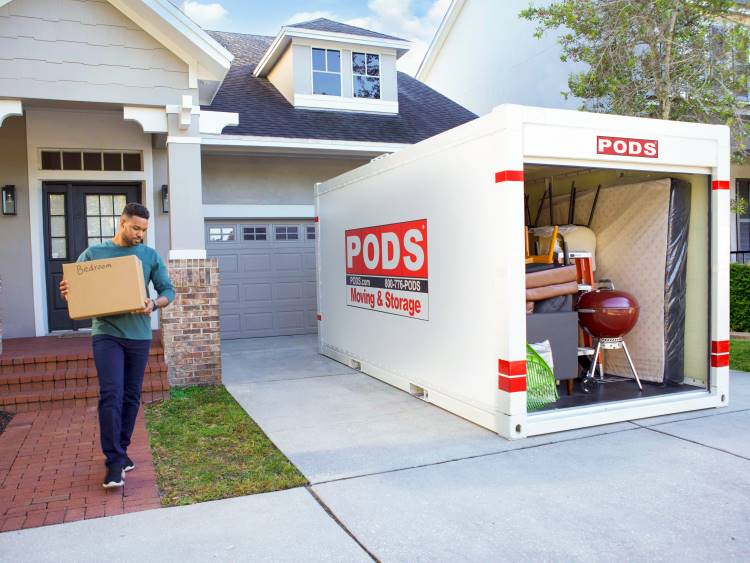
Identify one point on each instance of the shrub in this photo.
(739, 297)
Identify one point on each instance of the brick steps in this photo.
(35, 380)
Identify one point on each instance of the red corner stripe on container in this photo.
(720, 185)
(319, 317)
(511, 384)
(719, 360)
(720, 347)
(509, 176)
(316, 219)
(512, 368)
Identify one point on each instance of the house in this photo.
(221, 135)
(518, 68)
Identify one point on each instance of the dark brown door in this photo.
(75, 217)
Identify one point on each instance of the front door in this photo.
(75, 217)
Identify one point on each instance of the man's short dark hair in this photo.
(136, 210)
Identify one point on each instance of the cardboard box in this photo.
(99, 288)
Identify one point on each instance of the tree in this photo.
(685, 60)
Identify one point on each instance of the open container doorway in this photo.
(617, 231)
(462, 342)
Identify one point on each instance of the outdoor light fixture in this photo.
(165, 198)
(9, 200)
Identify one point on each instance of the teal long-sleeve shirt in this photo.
(132, 326)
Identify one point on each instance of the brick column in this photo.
(190, 326)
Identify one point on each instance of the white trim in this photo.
(220, 211)
(188, 254)
(213, 122)
(282, 40)
(340, 103)
(620, 411)
(151, 120)
(184, 140)
(449, 19)
(307, 144)
(9, 108)
(172, 28)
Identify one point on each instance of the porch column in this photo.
(190, 325)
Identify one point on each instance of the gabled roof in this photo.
(450, 17)
(326, 30)
(323, 24)
(265, 112)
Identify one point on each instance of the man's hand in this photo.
(64, 289)
(147, 309)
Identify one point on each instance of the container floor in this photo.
(621, 390)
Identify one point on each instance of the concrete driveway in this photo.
(412, 482)
(396, 479)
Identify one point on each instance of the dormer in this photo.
(326, 65)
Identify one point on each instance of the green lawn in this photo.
(205, 447)
(739, 355)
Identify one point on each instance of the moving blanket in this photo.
(641, 245)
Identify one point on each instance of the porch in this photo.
(53, 372)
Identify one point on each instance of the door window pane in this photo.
(287, 232)
(92, 205)
(93, 227)
(58, 249)
(254, 233)
(220, 234)
(106, 204)
(108, 226)
(57, 226)
(120, 202)
(310, 232)
(57, 204)
(51, 160)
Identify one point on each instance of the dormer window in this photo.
(326, 65)
(366, 75)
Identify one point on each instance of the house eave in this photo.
(449, 19)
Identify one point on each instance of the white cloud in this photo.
(208, 16)
(393, 17)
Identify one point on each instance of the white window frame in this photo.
(286, 233)
(313, 71)
(379, 76)
(222, 228)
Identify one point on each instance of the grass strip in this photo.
(205, 447)
(739, 355)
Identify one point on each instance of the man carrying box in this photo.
(122, 342)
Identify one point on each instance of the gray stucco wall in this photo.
(17, 304)
(267, 180)
(84, 50)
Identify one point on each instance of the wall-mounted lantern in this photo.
(9, 200)
(165, 198)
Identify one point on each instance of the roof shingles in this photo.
(263, 111)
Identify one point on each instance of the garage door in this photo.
(267, 273)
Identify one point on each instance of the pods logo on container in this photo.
(621, 146)
(386, 268)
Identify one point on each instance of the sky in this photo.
(413, 20)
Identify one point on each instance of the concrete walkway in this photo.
(397, 479)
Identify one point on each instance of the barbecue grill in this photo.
(607, 315)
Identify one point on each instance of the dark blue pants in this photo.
(120, 364)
